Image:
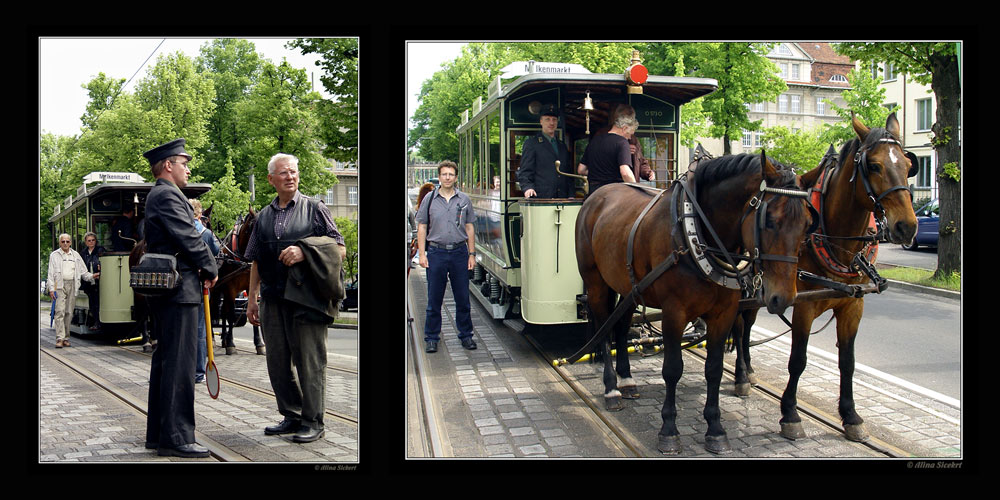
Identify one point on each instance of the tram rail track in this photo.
(340, 417)
(216, 450)
(820, 418)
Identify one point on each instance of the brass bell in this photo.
(588, 105)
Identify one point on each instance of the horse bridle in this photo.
(752, 285)
(861, 166)
(759, 204)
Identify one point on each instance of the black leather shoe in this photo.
(152, 446)
(469, 344)
(190, 450)
(431, 346)
(307, 434)
(285, 427)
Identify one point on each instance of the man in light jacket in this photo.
(66, 268)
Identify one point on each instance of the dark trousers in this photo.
(170, 420)
(442, 264)
(94, 301)
(294, 342)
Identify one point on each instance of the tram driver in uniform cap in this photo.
(537, 173)
(170, 230)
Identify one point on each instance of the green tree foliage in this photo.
(935, 64)
(233, 66)
(339, 117)
(349, 230)
(864, 99)
(452, 90)
(228, 199)
(234, 109)
(745, 75)
(56, 155)
(802, 149)
(172, 101)
(280, 117)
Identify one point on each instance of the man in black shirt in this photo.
(608, 158)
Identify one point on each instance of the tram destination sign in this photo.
(521, 68)
(112, 177)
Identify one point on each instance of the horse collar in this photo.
(818, 240)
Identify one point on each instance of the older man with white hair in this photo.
(294, 236)
(66, 268)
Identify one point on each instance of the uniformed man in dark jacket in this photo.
(537, 173)
(170, 230)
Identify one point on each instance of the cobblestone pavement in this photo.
(80, 422)
(502, 401)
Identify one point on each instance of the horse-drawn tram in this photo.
(99, 206)
(526, 261)
(729, 237)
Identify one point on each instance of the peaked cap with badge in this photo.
(172, 148)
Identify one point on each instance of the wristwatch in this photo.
(472, 253)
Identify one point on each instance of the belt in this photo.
(446, 247)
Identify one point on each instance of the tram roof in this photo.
(679, 89)
(675, 89)
(192, 190)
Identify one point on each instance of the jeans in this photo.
(443, 264)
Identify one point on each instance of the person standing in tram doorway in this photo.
(446, 240)
(537, 173)
(91, 255)
(170, 230)
(66, 268)
(295, 235)
(608, 157)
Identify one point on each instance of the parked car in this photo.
(351, 300)
(927, 226)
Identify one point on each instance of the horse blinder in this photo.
(914, 164)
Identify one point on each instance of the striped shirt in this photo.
(323, 224)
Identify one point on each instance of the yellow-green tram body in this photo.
(94, 208)
(526, 247)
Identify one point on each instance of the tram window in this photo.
(472, 179)
(102, 227)
(81, 225)
(494, 153)
(517, 139)
(658, 148)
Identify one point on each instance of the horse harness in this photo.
(863, 261)
(727, 274)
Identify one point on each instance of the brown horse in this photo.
(234, 279)
(730, 192)
(866, 182)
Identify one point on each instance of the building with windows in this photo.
(814, 74)
(916, 116)
(342, 198)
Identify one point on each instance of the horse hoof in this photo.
(260, 350)
(629, 392)
(792, 431)
(753, 379)
(856, 432)
(668, 445)
(230, 350)
(613, 403)
(147, 348)
(743, 390)
(718, 445)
